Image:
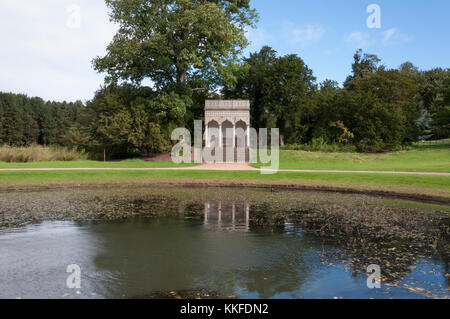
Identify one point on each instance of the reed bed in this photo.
(38, 153)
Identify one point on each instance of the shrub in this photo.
(319, 145)
(38, 153)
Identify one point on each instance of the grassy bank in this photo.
(425, 157)
(422, 157)
(436, 186)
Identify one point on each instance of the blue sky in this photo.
(326, 33)
(45, 54)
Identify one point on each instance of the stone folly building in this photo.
(222, 120)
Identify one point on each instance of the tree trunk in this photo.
(281, 140)
(181, 76)
(104, 155)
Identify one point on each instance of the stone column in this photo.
(207, 143)
(248, 136)
(234, 135)
(220, 135)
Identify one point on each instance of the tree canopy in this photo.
(25, 121)
(280, 90)
(441, 106)
(377, 109)
(171, 41)
(124, 120)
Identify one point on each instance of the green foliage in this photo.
(185, 47)
(364, 65)
(319, 145)
(441, 107)
(125, 121)
(431, 83)
(172, 40)
(378, 109)
(27, 121)
(385, 110)
(281, 91)
(441, 122)
(251, 82)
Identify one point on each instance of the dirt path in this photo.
(223, 167)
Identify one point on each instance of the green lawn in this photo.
(424, 157)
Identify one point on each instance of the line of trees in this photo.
(123, 121)
(377, 108)
(26, 121)
(189, 50)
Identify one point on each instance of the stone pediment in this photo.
(227, 105)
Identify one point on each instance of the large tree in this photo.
(281, 92)
(169, 41)
(364, 65)
(385, 109)
(251, 81)
(124, 121)
(429, 96)
(441, 117)
(289, 99)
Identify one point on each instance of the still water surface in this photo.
(220, 252)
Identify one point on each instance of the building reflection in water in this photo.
(227, 217)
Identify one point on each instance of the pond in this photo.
(217, 252)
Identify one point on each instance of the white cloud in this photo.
(258, 38)
(331, 51)
(363, 40)
(359, 40)
(42, 56)
(305, 35)
(394, 36)
(30, 9)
